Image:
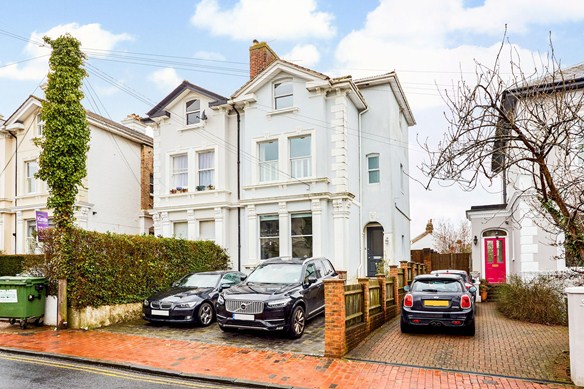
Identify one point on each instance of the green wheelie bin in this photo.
(23, 299)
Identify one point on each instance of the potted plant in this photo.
(484, 289)
(211, 187)
(184, 190)
(201, 187)
(173, 190)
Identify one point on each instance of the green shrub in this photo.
(540, 300)
(11, 265)
(116, 269)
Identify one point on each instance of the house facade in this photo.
(514, 237)
(294, 163)
(116, 194)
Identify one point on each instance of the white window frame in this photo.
(31, 183)
(195, 112)
(40, 125)
(372, 170)
(271, 168)
(175, 173)
(275, 238)
(283, 95)
(298, 215)
(302, 163)
(182, 222)
(201, 237)
(210, 169)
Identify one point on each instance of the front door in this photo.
(495, 261)
(374, 249)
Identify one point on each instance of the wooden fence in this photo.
(436, 261)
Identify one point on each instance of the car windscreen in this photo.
(277, 273)
(464, 276)
(199, 280)
(436, 286)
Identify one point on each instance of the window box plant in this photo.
(173, 190)
(201, 187)
(211, 187)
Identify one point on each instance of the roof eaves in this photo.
(158, 109)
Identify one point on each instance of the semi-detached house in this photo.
(116, 193)
(295, 163)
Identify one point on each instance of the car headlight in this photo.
(220, 300)
(278, 303)
(186, 305)
(146, 303)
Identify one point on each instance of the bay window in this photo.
(269, 236)
(301, 235)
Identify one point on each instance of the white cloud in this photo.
(209, 55)
(165, 79)
(92, 36)
(304, 55)
(264, 20)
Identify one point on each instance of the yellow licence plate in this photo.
(436, 303)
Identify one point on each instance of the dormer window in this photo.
(283, 94)
(193, 111)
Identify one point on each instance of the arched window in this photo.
(495, 233)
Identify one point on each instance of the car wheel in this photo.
(205, 314)
(405, 327)
(470, 329)
(297, 322)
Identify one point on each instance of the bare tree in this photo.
(452, 238)
(526, 128)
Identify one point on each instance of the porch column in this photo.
(20, 233)
(252, 234)
(284, 220)
(166, 226)
(192, 232)
(317, 233)
(341, 234)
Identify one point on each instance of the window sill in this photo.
(300, 181)
(282, 111)
(192, 127)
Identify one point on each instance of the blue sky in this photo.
(140, 50)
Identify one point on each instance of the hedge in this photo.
(11, 265)
(117, 269)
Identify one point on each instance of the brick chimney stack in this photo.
(260, 57)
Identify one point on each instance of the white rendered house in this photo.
(514, 237)
(116, 195)
(300, 164)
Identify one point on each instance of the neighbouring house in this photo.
(425, 240)
(116, 195)
(294, 163)
(511, 238)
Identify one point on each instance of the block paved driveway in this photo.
(500, 346)
(311, 343)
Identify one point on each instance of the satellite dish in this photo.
(203, 115)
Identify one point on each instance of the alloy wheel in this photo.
(205, 314)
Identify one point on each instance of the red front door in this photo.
(495, 267)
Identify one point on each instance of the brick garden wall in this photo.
(353, 311)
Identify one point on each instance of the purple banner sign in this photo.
(42, 221)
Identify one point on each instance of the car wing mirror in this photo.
(225, 285)
(311, 279)
(407, 288)
(472, 289)
(243, 278)
(174, 284)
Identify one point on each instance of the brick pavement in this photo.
(500, 346)
(266, 367)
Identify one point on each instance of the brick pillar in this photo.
(342, 274)
(393, 272)
(405, 266)
(382, 294)
(335, 341)
(364, 282)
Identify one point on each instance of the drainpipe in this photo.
(15, 184)
(363, 253)
(238, 188)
